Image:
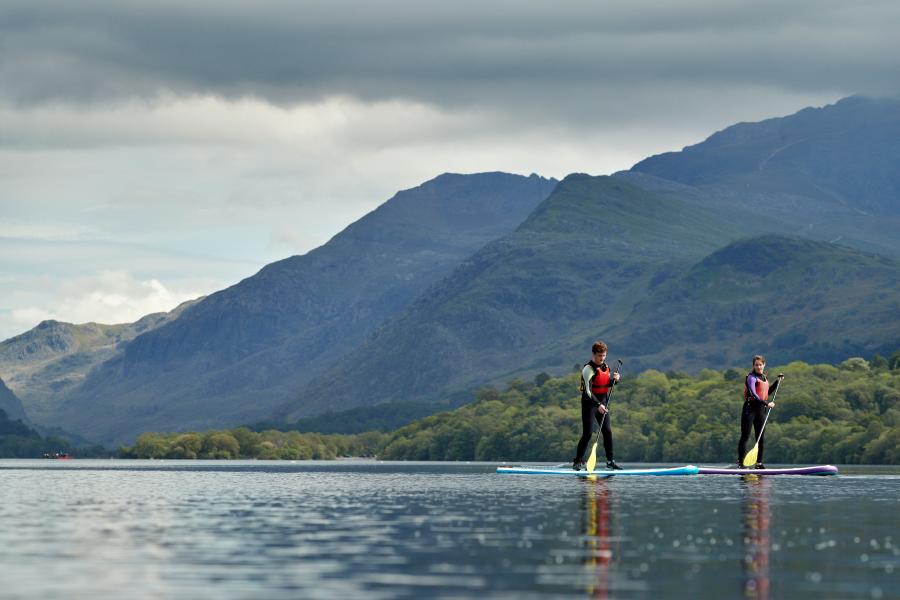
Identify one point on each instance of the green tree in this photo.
(894, 360)
(878, 362)
(150, 445)
(186, 445)
(219, 444)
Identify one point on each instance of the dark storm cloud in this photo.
(444, 53)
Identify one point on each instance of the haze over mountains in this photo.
(236, 354)
(51, 360)
(762, 238)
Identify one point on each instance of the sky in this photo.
(155, 151)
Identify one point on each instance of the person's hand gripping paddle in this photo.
(751, 456)
(592, 460)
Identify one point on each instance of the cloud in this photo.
(465, 54)
(206, 121)
(319, 88)
(319, 91)
(84, 280)
(106, 297)
(45, 231)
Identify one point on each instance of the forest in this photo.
(845, 413)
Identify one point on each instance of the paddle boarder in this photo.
(756, 402)
(596, 382)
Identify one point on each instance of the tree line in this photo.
(242, 442)
(845, 413)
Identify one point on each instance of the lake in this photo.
(367, 529)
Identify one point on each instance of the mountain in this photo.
(592, 258)
(233, 356)
(44, 364)
(10, 404)
(785, 297)
(572, 269)
(472, 280)
(830, 172)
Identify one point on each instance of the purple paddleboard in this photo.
(814, 470)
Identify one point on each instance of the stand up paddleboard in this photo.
(814, 470)
(686, 470)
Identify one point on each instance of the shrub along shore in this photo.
(847, 413)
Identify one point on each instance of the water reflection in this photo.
(598, 533)
(756, 514)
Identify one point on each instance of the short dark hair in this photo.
(758, 357)
(599, 347)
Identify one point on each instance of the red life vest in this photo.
(602, 382)
(762, 387)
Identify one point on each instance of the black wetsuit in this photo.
(589, 414)
(753, 415)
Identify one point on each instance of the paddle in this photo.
(592, 460)
(750, 457)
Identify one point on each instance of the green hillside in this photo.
(796, 298)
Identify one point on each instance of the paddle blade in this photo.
(750, 457)
(592, 460)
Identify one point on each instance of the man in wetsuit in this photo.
(596, 383)
(756, 403)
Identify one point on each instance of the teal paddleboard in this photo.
(537, 470)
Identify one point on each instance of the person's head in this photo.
(599, 350)
(759, 363)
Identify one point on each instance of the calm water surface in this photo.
(169, 529)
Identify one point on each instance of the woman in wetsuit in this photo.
(756, 403)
